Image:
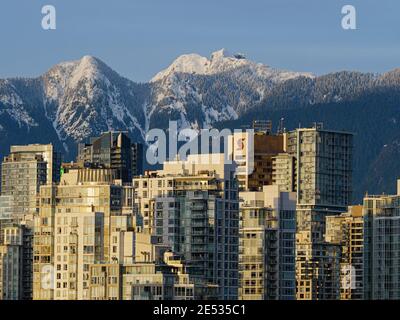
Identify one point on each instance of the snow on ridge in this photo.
(15, 109)
(187, 63)
(220, 54)
(66, 76)
(62, 86)
(212, 115)
(120, 112)
(173, 92)
(86, 68)
(193, 63)
(223, 61)
(20, 116)
(80, 100)
(11, 99)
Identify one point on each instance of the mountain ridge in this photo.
(77, 99)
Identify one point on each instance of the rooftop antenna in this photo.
(281, 128)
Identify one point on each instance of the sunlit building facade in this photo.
(192, 206)
(78, 224)
(267, 245)
(347, 230)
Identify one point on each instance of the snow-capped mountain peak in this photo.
(69, 75)
(233, 83)
(187, 63)
(85, 68)
(195, 64)
(222, 61)
(85, 97)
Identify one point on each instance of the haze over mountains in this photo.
(78, 99)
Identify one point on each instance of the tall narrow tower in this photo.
(323, 186)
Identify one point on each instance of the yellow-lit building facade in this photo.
(347, 230)
(199, 197)
(81, 221)
(267, 245)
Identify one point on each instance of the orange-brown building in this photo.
(266, 147)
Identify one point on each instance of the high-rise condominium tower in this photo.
(381, 247)
(323, 171)
(113, 150)
(192, 207)
(347, 231)
(254, 153)
(267, 245)
(85, 219)
(24, 170)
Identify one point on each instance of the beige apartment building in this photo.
(199, 172)
(139, 262)
(105, 281)
(86, 219)
(23, 171)
(267, 245)
(347, 230)
(284, 172)
(162, 279)
(192, 206)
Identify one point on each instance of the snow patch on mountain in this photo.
(19, 115)
(14, 107)
(213, 116)
(187, 63)
(222, 61)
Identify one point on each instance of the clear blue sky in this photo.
(140, 37)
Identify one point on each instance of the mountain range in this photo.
(78, 99)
